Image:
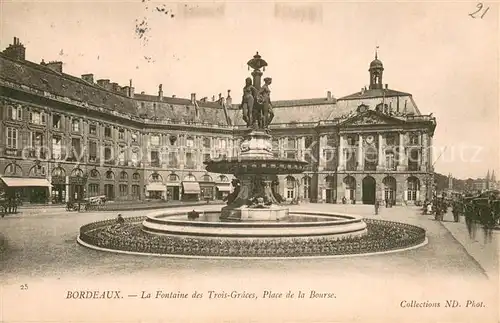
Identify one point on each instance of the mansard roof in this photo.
(374, 93)
(45, 79)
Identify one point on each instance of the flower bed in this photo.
(381, 236)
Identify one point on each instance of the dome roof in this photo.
(376, 63)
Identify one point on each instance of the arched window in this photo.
(136, 176)
(290, 187)
(123, 175)
(190, 178)
(37, 171)
(58, 172)
(350, 188)
(389, 188)
(207, 178)
(223, 178)
(306, 182)
(155, 177)
(110, 175)
(77, 172)
(173, 178)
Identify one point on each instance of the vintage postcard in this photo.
(249, 161)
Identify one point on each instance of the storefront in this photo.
(156, 191)
(222, 190)
(77, 187)
(173, 191)
(191, 191)
(207, 190)
(33, 190)
(58, 194)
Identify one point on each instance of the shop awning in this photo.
(191, 187)
(156, 187)
(224, 188)
(25, 182)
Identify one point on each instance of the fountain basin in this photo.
(293, 225)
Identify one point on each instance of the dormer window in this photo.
(93, 129)
(75, 125)
(121, 134)
(56, 121)
(107, 132)
(15, 113)
(173, 140)
(190, 142)
(37, 117)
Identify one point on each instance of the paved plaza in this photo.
(41, 250)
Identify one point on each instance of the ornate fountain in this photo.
(255, 168)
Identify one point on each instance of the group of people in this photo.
(437, 207)
(9, 204)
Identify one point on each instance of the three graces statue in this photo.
(256, 104)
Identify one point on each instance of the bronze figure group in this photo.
(256, 104)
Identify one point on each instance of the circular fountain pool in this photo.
(303, 234)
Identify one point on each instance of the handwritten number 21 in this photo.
(479, 7)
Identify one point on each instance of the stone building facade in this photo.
(67, 137)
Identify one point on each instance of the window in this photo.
(123, 189)
(390, 140)
(107, 132)
(173, 178)
(37, 117)
(75, 125)
(121, 134)
(222, 144)
(12, 136)
(290, 154)
(413, 188)
(123, 175)
(155, 159)
(93, 129)
(36, 143)
(390, 163)
(93, 189)
(206, 143)
(92, 151)
(190, 178)
(290, 187)
(56, 147)
(134, 157)
(309, 141)
(155, 177)
(223, 178)
(108, 154)
(306, 182)
(291, 143)
(414, 139)
(136, 176)
(351, 141)
(172, 159)
(206, 157)
(15, 113)
(155, 140)
(121, 155)
(134, 137)
(136, 191)
(329, 157)
(110, 175)
(76, 149)
(276, 148)
(190, 142)
(207, 178)
(56, 121)
(190, 160)
(94, 173)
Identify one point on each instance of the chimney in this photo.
(229, 100)
(87, 78)
(160, 92)
(55, 66)
(103, 83)
(329, 95)
(193, 98)
(142, 92)
(115, 87)
(213, 98)
(363, 90)
(204, 99)
(173, 96)
(131, 89)
(16, 50)
(386, 86)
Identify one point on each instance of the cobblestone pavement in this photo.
(41, 249)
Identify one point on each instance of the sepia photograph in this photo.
(249, 161)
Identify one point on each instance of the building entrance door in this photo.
(109, 191)
(369, 190)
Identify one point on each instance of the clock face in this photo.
(370, 139)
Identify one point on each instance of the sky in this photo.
(441, 54)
